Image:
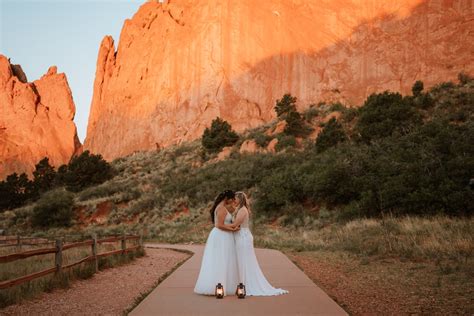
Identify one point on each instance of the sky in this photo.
(67, 33)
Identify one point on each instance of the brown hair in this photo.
(227, 194)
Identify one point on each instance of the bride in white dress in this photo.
(249, 270)
(219, 262)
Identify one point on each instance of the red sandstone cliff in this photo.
(180, 64)
(36, 120)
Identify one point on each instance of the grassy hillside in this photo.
(393, 156)
(389, 179)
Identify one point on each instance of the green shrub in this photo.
(285, 141)
(295, 125)
(311, 113)
(285, 105)
(105, 190)
(443, 87)
(54, 208)
(218, 136)
(83, 171)
(349, 114)
(424, 101)
(464, 78)
(417, 88)
(262, 139)
(281, 187)
(330, 136)
(44, 175)
(337, 107)
(385, 113)
(15, 191)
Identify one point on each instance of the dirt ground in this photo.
(108, 292)
(371, 286)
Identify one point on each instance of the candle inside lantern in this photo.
(219, 291)
(240, 292)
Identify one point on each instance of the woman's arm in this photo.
(239, 219)
(221, 214)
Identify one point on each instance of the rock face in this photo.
(180, 64)
(36, 120)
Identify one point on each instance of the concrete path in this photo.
(175, 296)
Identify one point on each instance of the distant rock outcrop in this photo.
(36, 120)
(180, 64)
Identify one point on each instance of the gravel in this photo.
(108, 292)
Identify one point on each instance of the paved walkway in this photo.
(175, 296)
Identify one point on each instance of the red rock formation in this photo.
(36, 120)
(180, 64)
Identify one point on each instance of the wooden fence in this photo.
(19, 242)
(58, 249)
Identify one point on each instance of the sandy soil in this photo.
(389, 286)
(108, 292)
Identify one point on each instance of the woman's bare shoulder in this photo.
(243, 209)
(220, 208)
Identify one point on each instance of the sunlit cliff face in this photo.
(36, 120)
(180, 64)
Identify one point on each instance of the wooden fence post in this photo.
(59, 255)
(140, 242)
(18, 243)
(124, 246)
(94, 252)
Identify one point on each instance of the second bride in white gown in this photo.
(250, 273)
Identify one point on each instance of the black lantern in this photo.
(219, 291)
(240, 291)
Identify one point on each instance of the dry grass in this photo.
(374, 286)
(407, 237)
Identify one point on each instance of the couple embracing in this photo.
(229, 256)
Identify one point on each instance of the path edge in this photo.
(145, 294)
(316, 283)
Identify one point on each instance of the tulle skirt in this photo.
(219, 264)
(249, 270)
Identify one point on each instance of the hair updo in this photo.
(227, 194)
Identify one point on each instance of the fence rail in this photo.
(58, 251)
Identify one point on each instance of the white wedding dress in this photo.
(219, 262)
(249, 270)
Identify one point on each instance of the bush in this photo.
(44, 176)
(201, 185)
(464, 78)
(417, 88)
(280, 188)
(384, 114)
(54, 208)
(330, 136)
(106, 189)
(349, 114)
(285, 105)
(262, 140)
(218, 136)
(337, 107)
(15, 191)
(295, 125)
(83, 171)
(311, 113)
(285, 141)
